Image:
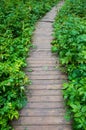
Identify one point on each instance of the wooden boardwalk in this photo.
(45, 109)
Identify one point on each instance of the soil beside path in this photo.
(45, 109)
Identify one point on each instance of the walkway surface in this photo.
(45, 109)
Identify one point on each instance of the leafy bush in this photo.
(17, 20)
(70, 44)
(77, 7)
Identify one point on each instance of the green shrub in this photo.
(17, 20)
(70, 44)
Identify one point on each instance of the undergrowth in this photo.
(70, 44)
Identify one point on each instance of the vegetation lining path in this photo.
(45, 110)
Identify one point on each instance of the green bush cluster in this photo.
(17, 20)
(70, 44)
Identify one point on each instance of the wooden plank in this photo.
(44, 127)
(45, 92)
(45, 87)
(42, 112)
(59, 120)
(45, 98)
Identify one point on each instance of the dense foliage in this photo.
(70, 44)
(17, 19)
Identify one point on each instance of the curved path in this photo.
(45, 110)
